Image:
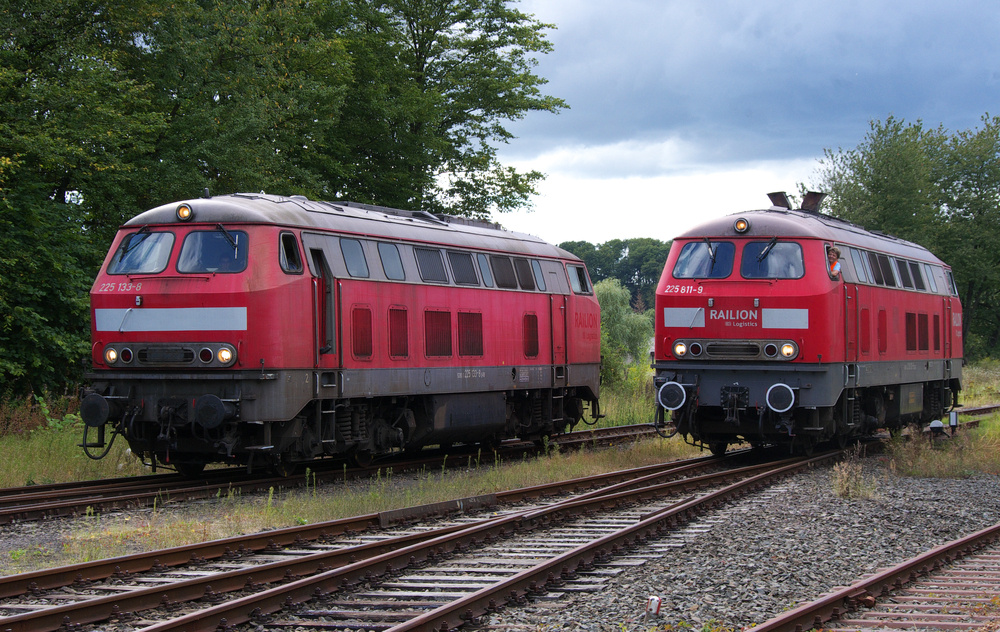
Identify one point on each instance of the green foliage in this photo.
(110, 108)
(625, 334)
(435, 79)
(939, 190)
(636, 263)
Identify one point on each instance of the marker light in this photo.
(225, 355)
(110, 355)
(680, 349)
(788, 350)
(741, 225)
(184, 212)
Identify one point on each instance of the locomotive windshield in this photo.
(772, 260)
(218, 250)
(705, 260)
(142, 252)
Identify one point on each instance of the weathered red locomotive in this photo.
(268, 330)
(763, 336)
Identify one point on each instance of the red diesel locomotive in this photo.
(268, 330)
(763, 337)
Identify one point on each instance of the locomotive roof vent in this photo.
(812, 200)
(810, 203)
(779, 200)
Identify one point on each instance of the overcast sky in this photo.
(684, 110)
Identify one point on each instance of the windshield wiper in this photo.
(767, 249)
(134, 240)
(229, 238)
(711, 253)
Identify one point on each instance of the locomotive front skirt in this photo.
(261, 329)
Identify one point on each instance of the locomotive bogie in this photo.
(260, 329)
(760, 338)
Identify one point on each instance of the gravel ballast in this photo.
(774, 550)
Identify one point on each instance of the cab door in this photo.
(558, 315)
(324, 321)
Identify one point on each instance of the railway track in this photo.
(39, 502)
(955, 586)
(309, 577)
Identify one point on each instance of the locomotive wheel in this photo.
(362, 458)
(718, 448)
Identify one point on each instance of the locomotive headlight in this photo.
(789, 350)
(184, 213)
(225, 355)
(680, 349)
(110, 355)
(741, 225)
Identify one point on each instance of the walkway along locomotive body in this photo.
(259, 329)
(757, 340)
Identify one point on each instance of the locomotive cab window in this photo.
(142, 252)
(430, 265)
(288, 254)
(392, 264)
(213, 251)
(578, 280)
(354, 257)
(705, 260)
(860, 264)
(539, 277)
(772, 260)
(930, 278)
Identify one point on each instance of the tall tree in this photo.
(636, 263)
(436, 81)
(887, 182)
(968, 237)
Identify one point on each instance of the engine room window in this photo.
(918, 280)
(431, 266)
(392, 264)
(463, 268)
(903, 267)
(354, 257)
(288, 254)
(215, 251)
(503, 270)
(772, 260)
(484, 269)
(705, 260)
(578, 279)
(530, 332)
(524, 274)
(142, 252)
(470, 334)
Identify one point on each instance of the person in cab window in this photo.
(833, 259)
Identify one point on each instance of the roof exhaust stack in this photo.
(779, 200)
(812, 200)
